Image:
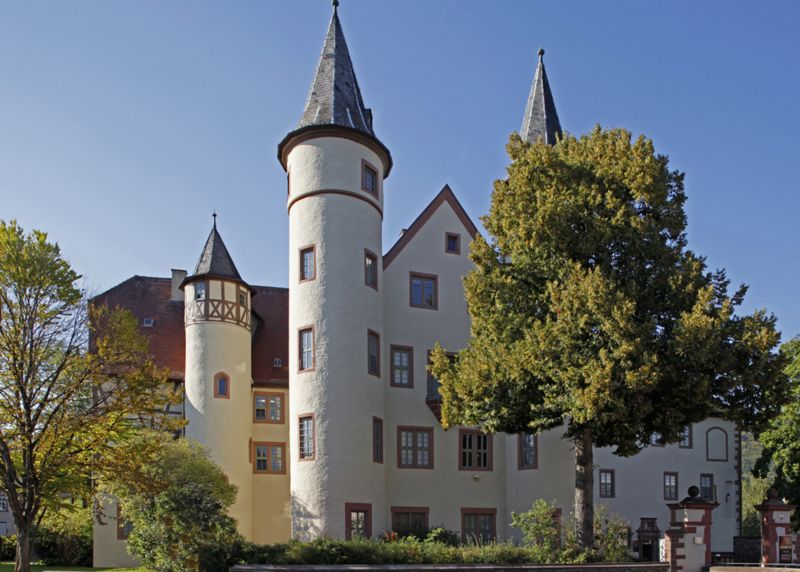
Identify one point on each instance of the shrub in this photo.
(8, 547)
(65, 537)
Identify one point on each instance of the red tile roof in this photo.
(149, 297)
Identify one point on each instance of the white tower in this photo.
(218, 363)
(336, 167)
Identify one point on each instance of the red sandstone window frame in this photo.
(217, 377)
(667, 495)
(447, 237)
(351, 507)
(478, 511)
(373, 335)
(378, 452)
(267, 394)
(365, 166)
(300, 331)
(422, 276)
(312, 248)
(521, 465)
(394, 349)
(300, 439)
(414, 464)
(424, 510)
(269, 445)
(474, 450)
(608, 494)
(372, 257)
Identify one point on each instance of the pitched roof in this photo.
(446, 195)
(335, 98)
(148, 297)
(540, 120)
(215, 259)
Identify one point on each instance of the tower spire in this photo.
(335, 98)
(215, 260)
(540, 120)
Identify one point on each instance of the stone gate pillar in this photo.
(777, 540)
(688, 539)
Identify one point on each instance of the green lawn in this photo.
(9, 567)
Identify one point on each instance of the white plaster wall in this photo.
(222, 425)
(445, 489)
(339, 392)
(107, 550)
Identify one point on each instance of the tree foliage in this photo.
(780, 460)
(67, 414)
(177, 507)
(589, 311)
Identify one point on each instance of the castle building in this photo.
(316, 400)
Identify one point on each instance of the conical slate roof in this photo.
(540, 120)
(215, 259)
(335, 98)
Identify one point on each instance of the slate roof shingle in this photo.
(215, 260)
(540, 120)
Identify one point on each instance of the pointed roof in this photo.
(446, 195)
(335, 98)
(540, 120)
(215, 259)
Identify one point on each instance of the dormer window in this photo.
(147, 323)
(369, 179)
(199, 291)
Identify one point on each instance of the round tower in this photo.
(335, 167)
(218, 368)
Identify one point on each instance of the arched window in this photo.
(222, 386)
(716, 444)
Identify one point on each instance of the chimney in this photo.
(177, 279)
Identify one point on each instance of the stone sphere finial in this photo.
(772, 493)
(541, 53)
(694, 492)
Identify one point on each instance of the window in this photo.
(359, 520)
(308, 264)
(199, 290)
(410, 520)
(402, 373)
(423, 291)
(377, 440)
(306, 339)
(124, 527)
(474, 450)
(656, 440)
(222, 386)
(277, 362)
(528, 454)
(452, 243)
(478, 525)
(243, 299)
(415, 447)
(268, 407)
(716, 444)
(606, 484)
(369, 179)
(269, 458)
(3, 502)
(670, 486)
(433, 383)
(147, 323)
(373, 353)
(685, 441)
(370, 269)
(707, 487)
(307, 446)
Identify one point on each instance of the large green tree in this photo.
(589, 311)
(67, 414)
(780, 460)
(177, 503)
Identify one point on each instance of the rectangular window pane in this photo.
(527, 451)
(606, 483)
(306, 349)
(261, 407)
(670, 486)
(377, 440)
(373, 354)
(276, 458)
(686, 438)
(306, 426)
(415, 448)
(401, 360)
(707, 486)
(370, 270)
(475, 450)
(275, 408)
(261, 457)
(423, 291)
(308, 268)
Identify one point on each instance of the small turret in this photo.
(540, 120)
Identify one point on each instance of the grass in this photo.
(9, 567)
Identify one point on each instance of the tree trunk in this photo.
(22, 562)
(584, 490)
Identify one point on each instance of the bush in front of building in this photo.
(65, 538)
(8, 547)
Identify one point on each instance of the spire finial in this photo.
(214, 215)
(541, 54)
(335, 4)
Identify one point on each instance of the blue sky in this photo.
(124, 124)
